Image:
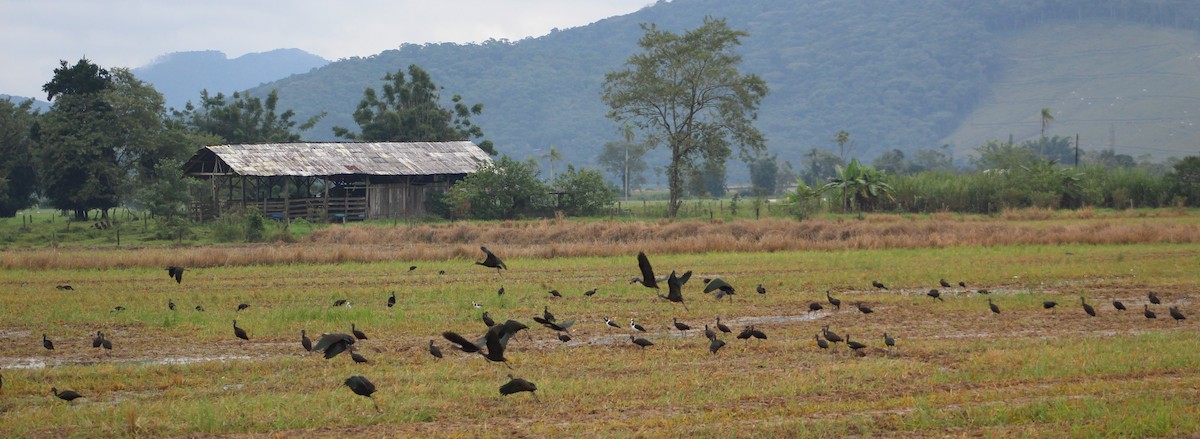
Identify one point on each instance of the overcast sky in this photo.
(36, 34)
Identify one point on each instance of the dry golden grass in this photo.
(566, 238)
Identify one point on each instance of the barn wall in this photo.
(400, 199)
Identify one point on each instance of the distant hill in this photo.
(180, 76)
(38, 105)
(903, 75)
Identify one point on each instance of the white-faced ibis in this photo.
(242, 306)
(934, 293)
(675, 288)
(305, 342)
(500, 292)
(1087, 308)
(555, 293)
(333, 344)
(878, 284)
(837, 303)
(863, 308)
(487, 319)
(831, 336)
(814, 307)
(356, 357)
(363, 387)
(635, 326)
(761, 289)
(391, 300)
(98, 340)
(821, 343)
(854, 344)
(1177, 314)
(640, 342)
(175, 272)
(962, 284)
(491, 261)
(412, 267)
(441, 272)
(65, 395)
(434, 350)
(993, 307)
(721, 287)
(1118, 305)
(943, 283)
(682, 327)
(1148, 313)
(983, 292)
(715, 344)
(170, 304)
(708, 333)
(647, 280)
(611, 323)
(555, 326)
(1049, 304)
(517, 385)
(757, 333)
(64, 287)
(239, 332)
(46, 343)
(889, 341)
(564, 337)
(357, 334)
(590, 293)
(722, 327)
(546, 314)
(1154, 298)
(496, 341)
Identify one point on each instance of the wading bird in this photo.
(500, 292)
(546, 314)
(1177, 314)
(962, 284)
(391, 300)
(993, 307)
(199, 308)
(715, 344)
(46, 343)
(175, 272)
(434, 350)
(814, 307)
(239, 332)
(943, 283)
(863, 308)
(878, 284)
(831, 336)
(1148, 313)
(821, 343)
(854, 344)
(491, 261)
(635, 326)
(647, 280)
(356, 357)
(721, 326)
(611, 323)
(362, 387)
(65, 395)
(64, 287)
(98, 340)
(1049, 304)
(761, 289)
(564, 337)
(357, 334)
(242, 306)
(888, 341)
(675, 288)
(1087, 308)
(837, 303)
(1118, 305)
(487, 319)
(341, 302)
(333, 344)
(170, 304)
(590, 293)
(305, 342)
(555, 293)
(934, 293)
(1154, 298)
(412, 267)
(643, 343)
(518, 385)
(682, 327)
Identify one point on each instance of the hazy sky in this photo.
(36, 34)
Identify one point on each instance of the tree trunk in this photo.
(81, 215)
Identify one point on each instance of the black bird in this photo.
(491, 261)
(878, 284)
(564, 337)
(1177, 314)
(814, 306)
(757, 333)
(831, 336)
(341, 302)
(1148, 313)
(821, 343)
(590, 293)
(721, 326)
(239, 332)
(412, 267)
(356, 357)
(305, 342)
(609, 322)
(888, 341)
(746, 333)
(935, 294)
(357, 334)
(65, 395)
(962, 284)
(392, 300)
(761, 289)
(487, 319)
(863, 308)
(546, 314)
(1087, 308)
(640, 342)
(636, 326)
(64, 287)
(854, 344)
(683, 327)
(175, 272)
(675, 288)
(170, 304)
(363, 387)
(434, 350)
(554, 325)
(199, 308)
(837, 303)
(1118, 305)
(943, 283)
(1049, 304)
(1154, 298)
(118, 308)
(648, 280)
(995, 309)
(715, 344)
(708, 333)
(496, 340)
(46, 343)
(441, 272)
(242, 306)
(555, 293)
(517, 385)
(98, 340)
(500, 292)
(721, 287)
(983, 292)
(106, 344)
(333, 344)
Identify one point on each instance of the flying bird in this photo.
(333, 344)
(675, 288)
(648, 280)
(721, 287)
(363, 387)
(517, 385)
(491, 261)
(175, 272)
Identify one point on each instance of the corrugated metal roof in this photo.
(369, 158)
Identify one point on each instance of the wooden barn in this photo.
(330, 181)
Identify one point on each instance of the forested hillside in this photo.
(895, 75)
(181, 76)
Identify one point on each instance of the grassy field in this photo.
(958, 369)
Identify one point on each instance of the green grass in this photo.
(959, 370)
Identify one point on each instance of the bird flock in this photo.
(493, 343)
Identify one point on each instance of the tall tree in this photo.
(687, 92)
(553, 156)
(1047, 117)
(17, 174)
(624, 160)
(244, 119)
(410, 111)
(842, 138)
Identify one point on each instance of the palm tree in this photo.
(860, 186)
(1047, 117)
(553, 156)
(842, 138)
